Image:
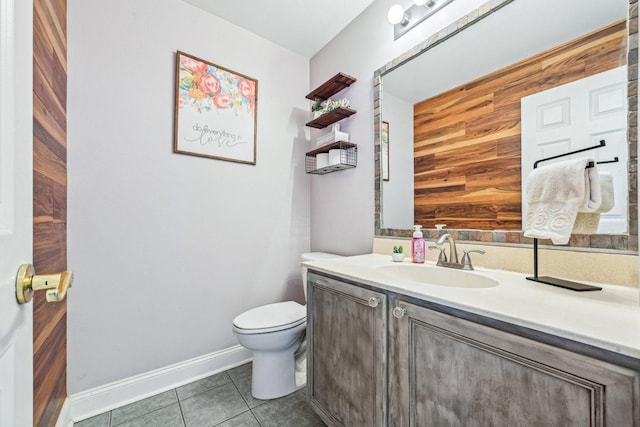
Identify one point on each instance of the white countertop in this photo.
(608, 319)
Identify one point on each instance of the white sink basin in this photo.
(441, 276)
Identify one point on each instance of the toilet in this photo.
(276, 335)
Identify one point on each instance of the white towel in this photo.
(606, 192)
(555, 195)
(587, 222)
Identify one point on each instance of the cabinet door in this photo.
(446, 371)
(347, 348)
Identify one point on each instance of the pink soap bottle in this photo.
(417, 245)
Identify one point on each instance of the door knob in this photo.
(56, 284)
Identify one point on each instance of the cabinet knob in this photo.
(373, 302)
(399, 312)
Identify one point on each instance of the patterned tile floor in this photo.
(222, 400)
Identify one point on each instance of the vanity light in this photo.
(405, 20)
(397, 16)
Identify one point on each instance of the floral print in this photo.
(207, 87)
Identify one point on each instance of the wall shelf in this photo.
(332, 86)
(330, 118)
(348, 152)
(348, 158)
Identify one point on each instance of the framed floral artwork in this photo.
(215, 111)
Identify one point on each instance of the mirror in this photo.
(487, 40)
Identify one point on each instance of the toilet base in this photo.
(274, 357)
(274, 374)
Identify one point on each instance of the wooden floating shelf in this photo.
(332, 86)
(331, 117)
(325, 148)
(348, 151)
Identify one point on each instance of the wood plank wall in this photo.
(49, 204)
(467, 140)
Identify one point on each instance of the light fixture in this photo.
(397, 16)
(404, 20)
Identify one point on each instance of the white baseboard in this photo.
(101, 399)
(64, 417)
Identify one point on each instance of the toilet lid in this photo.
(272, 317)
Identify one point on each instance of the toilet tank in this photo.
(313, 256)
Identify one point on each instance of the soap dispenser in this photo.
(417, 245)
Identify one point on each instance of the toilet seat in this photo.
(270, 318)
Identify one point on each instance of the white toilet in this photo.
(275, 333)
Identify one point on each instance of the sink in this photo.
(440, 276)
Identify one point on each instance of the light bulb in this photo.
(423, 2)
(396, 14)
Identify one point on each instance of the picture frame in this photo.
(215, 111)
(384, 148)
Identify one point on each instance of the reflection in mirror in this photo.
(453, 108)
(576, 116)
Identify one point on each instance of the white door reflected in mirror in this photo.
(575, 116)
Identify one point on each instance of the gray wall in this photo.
(342, 203)
(169, 248)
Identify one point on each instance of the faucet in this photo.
(453, 253)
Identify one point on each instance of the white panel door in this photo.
(575, 116)
(16, 192)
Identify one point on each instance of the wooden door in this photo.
(446, 371)
(346, 352)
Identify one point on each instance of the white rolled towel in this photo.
(322, 160)
(334, 156)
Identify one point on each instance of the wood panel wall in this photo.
(49, 204)
(467, 140)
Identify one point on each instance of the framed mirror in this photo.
(493, 45)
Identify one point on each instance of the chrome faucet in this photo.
(453, 253)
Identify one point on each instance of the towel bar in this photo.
(567, 284)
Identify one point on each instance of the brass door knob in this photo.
(56, 284)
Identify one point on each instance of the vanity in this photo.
(402, 344)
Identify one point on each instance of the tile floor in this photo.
(221, 400)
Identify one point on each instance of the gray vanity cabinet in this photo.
(446, 371)
(346, 352)
(377, 358)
